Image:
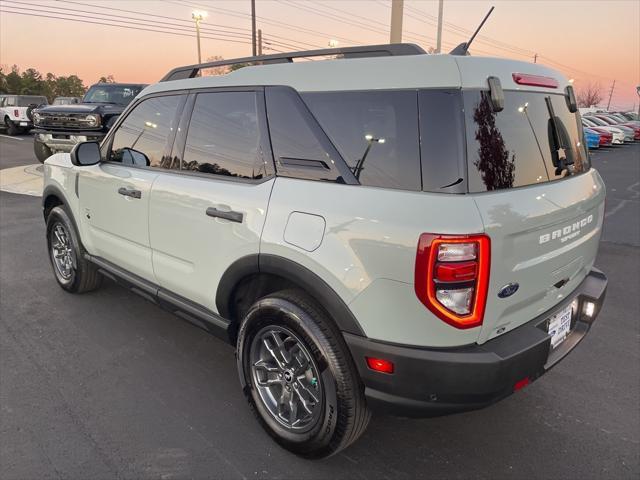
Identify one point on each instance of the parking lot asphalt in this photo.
(106, 385)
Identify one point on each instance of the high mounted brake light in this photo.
(452, 277)
(534, 80)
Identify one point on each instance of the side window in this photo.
(376, 132)
(141, 139)
(224, 136)
(301, 148)
(442, 141)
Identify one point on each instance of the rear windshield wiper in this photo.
(558, 147)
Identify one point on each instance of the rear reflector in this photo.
(380, 365)
(535, 80)
(520, 384)
(456, 272)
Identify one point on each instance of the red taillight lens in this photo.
(380, 365)
(452, 277)
(16, 112)
(534, 80)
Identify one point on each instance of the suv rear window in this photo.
(376, 132)
(516, 146)
(25, 101)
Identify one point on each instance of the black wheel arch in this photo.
(291, 274)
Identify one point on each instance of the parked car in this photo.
(60, 127)
(629, 133)
(606, 137)
(618, 122)
(618, 134)
(420, 244)
(592, 138)
(66, 100)
(15, 111)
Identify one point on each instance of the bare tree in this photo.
(590, 95)
(222, 70)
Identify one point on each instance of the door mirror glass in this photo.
(85, 153)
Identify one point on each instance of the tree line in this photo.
(32, 82)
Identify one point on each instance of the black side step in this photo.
(176, 304)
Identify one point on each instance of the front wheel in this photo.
(298, 376)
(41, 150)
(73, 272)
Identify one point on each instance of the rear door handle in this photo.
(130, 192)
(230, 215)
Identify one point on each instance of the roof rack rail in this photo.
(391, 49)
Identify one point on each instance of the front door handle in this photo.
(227, 215)
(130, 192)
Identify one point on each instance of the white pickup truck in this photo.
(15, 111)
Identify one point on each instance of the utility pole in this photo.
(439, 38)
(259, 41)
(395, 34)
(611, 94)
(535, 58)
(253, 27)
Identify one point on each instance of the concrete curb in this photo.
(25, 180)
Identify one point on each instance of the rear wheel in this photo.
(298, 376)
(41, 150)
(12, 128)
(72, 271)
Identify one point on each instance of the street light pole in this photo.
(198, 16)
(395, 32)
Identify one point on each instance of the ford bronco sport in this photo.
(382, 230)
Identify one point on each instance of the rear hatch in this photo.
(541, 204)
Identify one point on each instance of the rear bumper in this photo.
(430, 382)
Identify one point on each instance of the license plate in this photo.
(560, 326)
(23, 124)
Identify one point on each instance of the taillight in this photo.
(16, 112)
(534, 80)
(452, 277)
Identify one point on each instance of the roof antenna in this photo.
(463, 48)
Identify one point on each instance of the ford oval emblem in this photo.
(508, 290)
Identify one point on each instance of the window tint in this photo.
(141, 139)
(442, 141)
(519, 145)
(224, 136)
(300, 147)
(25, 101)
(376, 132)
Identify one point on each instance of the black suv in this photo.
(60, 127)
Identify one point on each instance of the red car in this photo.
(606, 137)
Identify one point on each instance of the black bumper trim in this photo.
(430, 382)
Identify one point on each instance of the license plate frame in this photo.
(559, 326)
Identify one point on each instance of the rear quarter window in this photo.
(376, 132)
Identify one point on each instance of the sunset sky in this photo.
(590, 41)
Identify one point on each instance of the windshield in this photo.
(26, 100)
(117, 94)
(65, 101)
(599, 121)
(534, 139)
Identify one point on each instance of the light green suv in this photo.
(385, 229)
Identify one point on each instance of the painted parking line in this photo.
(12, 138)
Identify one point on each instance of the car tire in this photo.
(12, 128)
(73, 272)
(309, 362)
(41, 150)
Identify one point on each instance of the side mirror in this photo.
(570, 97)
(496, 93)
(85, 154)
